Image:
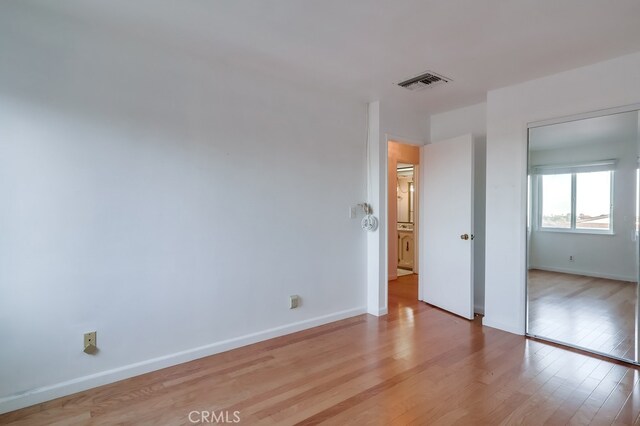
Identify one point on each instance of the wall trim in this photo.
(402, 139)
(378, 312)
(584, 273)
(47, 393)
(585, 115)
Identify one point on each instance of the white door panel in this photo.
(446, 214)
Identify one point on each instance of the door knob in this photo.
(464, 236)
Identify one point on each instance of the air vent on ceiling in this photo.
(428, 79)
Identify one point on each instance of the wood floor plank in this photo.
(593, 313)
(631, 408)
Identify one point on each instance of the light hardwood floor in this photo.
(417, 365)
(594, 313)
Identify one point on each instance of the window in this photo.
(593, 200)
(580, 201)
(556, 201)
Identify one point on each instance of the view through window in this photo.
(591, 209)
(556, 201)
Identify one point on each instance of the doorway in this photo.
(447, 225)
(403, 227)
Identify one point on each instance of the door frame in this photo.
(383, 176)
(529, 203)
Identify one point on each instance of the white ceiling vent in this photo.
(427, 79)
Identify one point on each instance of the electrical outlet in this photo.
(571, 259)
(294, 301)
(352, 212)
(90, 343)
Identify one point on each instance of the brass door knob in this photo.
(464, 236)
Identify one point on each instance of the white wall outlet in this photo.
(294, 301)
(90, 342)
(352, 212)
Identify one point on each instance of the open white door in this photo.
(446, 221)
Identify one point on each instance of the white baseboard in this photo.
(378, 312)
(46, 393)
(488, 321)
(584, 273)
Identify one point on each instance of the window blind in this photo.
(559, 169)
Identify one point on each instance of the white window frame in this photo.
(573, 229)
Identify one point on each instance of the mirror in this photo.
(405, 192)
(411, 191)
(582, 234)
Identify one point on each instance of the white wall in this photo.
(388, 121)
(602, 85)
(471, 119)
(606, 256)
(168, 201)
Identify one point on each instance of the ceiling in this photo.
(614, 128)
(364, 47)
